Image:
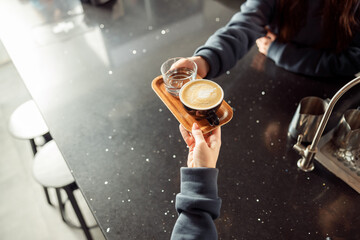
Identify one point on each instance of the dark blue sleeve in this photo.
(317, 62)
(232, 42)
(198, 205)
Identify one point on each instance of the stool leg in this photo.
(61, 204)
(33, 146)
(47, 195)
(72, 199)
(47, 137)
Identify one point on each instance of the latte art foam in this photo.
(201, 94)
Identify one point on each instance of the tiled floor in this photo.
(24, 212)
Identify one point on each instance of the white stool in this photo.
(51, 170)
(27, 123)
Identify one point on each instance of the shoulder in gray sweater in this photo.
(230, 43)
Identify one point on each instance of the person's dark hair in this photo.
(340, 21)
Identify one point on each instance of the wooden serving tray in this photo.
(187, 120)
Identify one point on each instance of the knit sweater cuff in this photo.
(201, 182)
(276, 50)
(212, 59)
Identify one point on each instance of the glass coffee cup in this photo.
(176, 72)
(202, 98)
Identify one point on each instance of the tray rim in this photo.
(205, 129)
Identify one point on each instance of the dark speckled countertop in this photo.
(89, 69)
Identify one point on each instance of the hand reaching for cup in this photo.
(202, 65)
(264, 43)
(203, 150)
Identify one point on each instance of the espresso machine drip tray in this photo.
(345, 164)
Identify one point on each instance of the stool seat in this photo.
(50, 168)
(26, 122)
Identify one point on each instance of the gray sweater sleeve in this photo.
(317, 62)
(198, 204)
(232, 42)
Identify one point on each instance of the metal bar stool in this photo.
(27, 123)
(51, 170)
